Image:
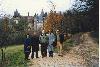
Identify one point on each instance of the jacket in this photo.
(34, 40)
(61, 38)
(43, 38)
(27, 45)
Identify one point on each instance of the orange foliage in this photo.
(5, 24)
(53, 21)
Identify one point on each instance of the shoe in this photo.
(60, 55)
(52, 56)
(37, 57)
(49, 56)
(32, 57)
(51, 53)
(28, 59)
(42, 57)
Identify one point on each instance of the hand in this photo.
(28, 47)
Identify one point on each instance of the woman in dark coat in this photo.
(35, 45)
(27, 47)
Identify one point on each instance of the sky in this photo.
(33, 6)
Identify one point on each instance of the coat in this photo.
(43, 38)
(27, 45)
(51, 40)
(35, 43)
(61, 38)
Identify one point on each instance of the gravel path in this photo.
(68, 60)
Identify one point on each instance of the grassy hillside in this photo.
(14, 57)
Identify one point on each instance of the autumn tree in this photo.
(53, 21)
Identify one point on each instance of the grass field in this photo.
(14, 57)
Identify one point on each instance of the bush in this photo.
(17, 59)
(16, 38)
(68, 44)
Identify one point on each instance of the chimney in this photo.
(28, 13)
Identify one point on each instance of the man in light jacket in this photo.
(50, 45)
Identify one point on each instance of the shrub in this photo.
(68, 44)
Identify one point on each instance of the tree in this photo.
(4, 37)
(22, 24)
(83, 17)
(90, 11)
(53, 21)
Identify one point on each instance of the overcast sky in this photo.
(33, 6)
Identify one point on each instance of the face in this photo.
(49, 31)
(27, 36)
(34, 33)
(43, 32)
(57, 31)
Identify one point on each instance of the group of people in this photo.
(47, 40)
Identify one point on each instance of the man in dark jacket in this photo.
(27, 47)
(35, 45)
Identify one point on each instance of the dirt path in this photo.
(68, 60)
